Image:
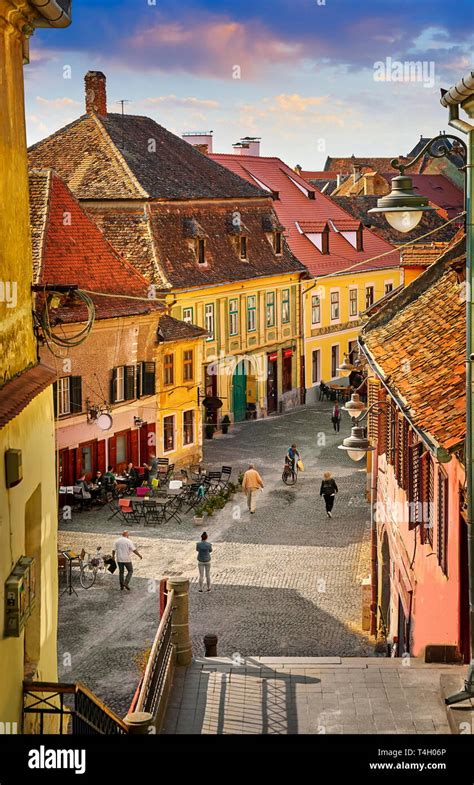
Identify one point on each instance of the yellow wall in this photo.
(177, 398)
(255, 344)
(337, 332)
(28, 525)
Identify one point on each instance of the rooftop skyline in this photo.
(311, 78)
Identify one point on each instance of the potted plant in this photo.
(210, 506)
(199, 514)
(210, 428)
(225, 422)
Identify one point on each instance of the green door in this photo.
(239, 392)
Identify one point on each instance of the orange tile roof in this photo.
(418, 342)
(69, 248)
(421, 254)
(294, 206)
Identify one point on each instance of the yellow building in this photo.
(332, 308)
(28, 500)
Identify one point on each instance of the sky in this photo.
(312, 78)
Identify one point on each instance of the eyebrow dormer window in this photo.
(243, 247)
(277, 243)
(201, 251)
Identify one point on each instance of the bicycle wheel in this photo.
(288, 477)
(87, 576)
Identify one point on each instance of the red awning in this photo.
(272, 357)
(288, 353)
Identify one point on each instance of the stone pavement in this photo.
(286, 581)
(268, 695)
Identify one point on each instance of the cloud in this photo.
(173, 101)
(57, 103)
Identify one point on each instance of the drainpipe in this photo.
(373, 544)
(52, 13)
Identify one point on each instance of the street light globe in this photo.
(404, 221)
(356, 455)
(355, 407)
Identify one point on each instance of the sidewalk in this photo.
(302, 695)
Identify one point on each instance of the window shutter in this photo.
(390, 441)
(55, 398)
(112, 451)
(427, 498)
(442, 533)
(414, 480)
(139, 379)
(129, 382)
(372, 398)
(75, 391)
(113, 386)
(148, 385)
(400, 457)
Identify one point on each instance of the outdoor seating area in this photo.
(162, 498)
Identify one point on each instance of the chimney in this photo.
(96, 96)
(202, 140)
(248, 145)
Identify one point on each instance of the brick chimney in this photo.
(96, 95)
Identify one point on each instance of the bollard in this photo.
(138, 722)
(210, 645)
(180, 621)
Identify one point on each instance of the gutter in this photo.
(440, 453)
(52, 13)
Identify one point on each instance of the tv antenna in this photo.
(123, 101)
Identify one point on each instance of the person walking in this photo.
(251, 483)
(123, 549)
(328, 490)
(204, 549)
(336, 417)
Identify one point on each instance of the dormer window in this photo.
(243, 248)
(351, 230)
(201, 251)
(317, 232)
(277, 243)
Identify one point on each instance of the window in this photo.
(442, 533)
(188, 427)
(353, 305)
(188, 315)
(334, 361)
(251, 313)
(287, 371)
(86, 460)
(334, 306)
(123, 383)
(277, 243)
(414, 485)
(188, 362)
(67, 395)
(401, 466)
(233, 317)
(168, 433)
(64, 396)
(209, 317)
(270, 309)
(369, 296)
(121, 444)
(285, 306)
(427, 486)
(315, 367)
(243, 247)
(145, 379)
(315, 309)
(201, 251)
(168, 369)
(388, 287)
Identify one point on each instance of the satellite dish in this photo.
(104, 421)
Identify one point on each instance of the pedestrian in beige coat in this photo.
(251, 483)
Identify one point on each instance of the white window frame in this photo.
(385, 284)
(193, 441)
(318, 352)
(251, 313)
(356, 290)
(284, 302)
(234, 316)
(369, 286)
(64, 396)
(173, 417)
(335, 319)
(313, 306)
(120, 384)
(209, 320)
(270, 308)
(188, 315)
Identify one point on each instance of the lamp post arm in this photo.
(440, 152)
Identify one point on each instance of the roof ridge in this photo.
(118, 155)
(58, 132)
(156, 263)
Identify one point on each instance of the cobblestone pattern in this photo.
(286, 581)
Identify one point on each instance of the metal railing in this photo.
(151, 687)
(78, 709)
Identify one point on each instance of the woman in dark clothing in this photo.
(328, 490)
(336, 417)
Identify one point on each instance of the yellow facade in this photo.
(28, 511)
(246, 332)
(331, 308)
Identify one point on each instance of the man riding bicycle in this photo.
(292, 457)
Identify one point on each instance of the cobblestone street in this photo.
(286, 581)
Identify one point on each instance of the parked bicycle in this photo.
(91, 566)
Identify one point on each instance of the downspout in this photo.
(51, 13)
(373, 544)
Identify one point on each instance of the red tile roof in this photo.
(69, 248)
(438, 189)
(345, 165)
(17, 393)
(293, 205)
(425, 324)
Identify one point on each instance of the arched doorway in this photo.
(239, 391)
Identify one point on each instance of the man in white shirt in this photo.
(123, 549)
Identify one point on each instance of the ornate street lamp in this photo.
(355, 407)
(403, 208)
(356, 445)
(346, 366)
